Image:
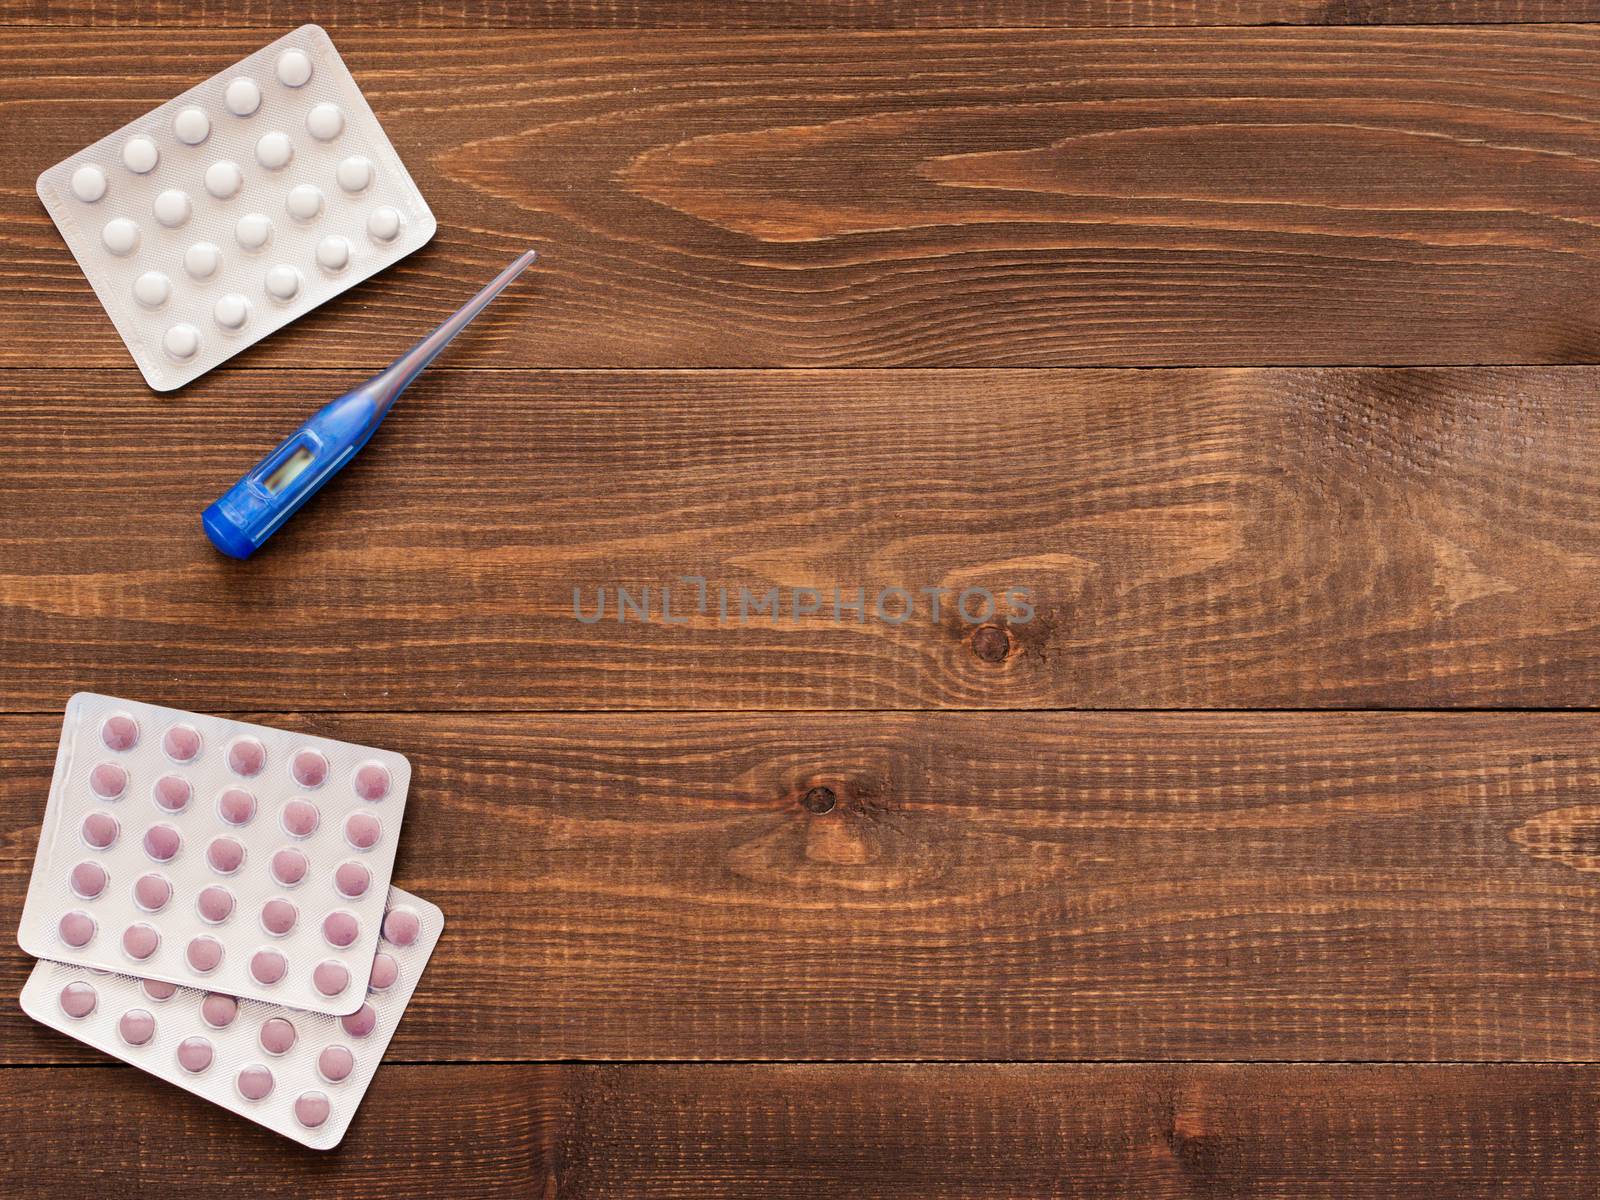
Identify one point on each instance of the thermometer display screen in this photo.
(288, 470)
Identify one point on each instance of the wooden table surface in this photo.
(1256, 339)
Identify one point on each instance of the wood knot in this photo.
(819, 800)
(991, 643)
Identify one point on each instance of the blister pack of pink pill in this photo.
(235, 208)
(298, 1073)
(215, 854)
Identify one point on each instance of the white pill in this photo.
(355, 173)
(242, 97)
(121, 236)
(172, 208)
(274, 150)
(202, 260)
(191, 126)
(224, 179)
(231, 311)
(139, 155)
(283, 282)
(304, 202)
(152, 289)
(254, 230)
(294, 68)
(333, 253)
(384, 224)
(325, 122)
(182, 341)
(88, 183)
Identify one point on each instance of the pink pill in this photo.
(194, 1054)
(330, 978)
(277, 1036)
(152, 892)
(309, 768)
(385, 970)
(341, 929)
(108, 781)
(204, 954)
(158, 989)
(300, 818)
(288, 866)
(362, 830)
(172, 793)
(218, 1011)
(120, 732)
(351, 879)
(88, 880)
(79, 1000)
(236, 806)
(137, 1026)
(255, 1082)
(140, 940)
(161, 842)
(311, 1109)
(401, 926)
(181, 743)
(335, 1063)
(225, 854)
(76, 929)
(246, 756)
(279, 916)
(268, 966)
(372, 781)
(100, 830)
(361, 1022)
(214, 904)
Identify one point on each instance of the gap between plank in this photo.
(900, 1062)
(1574, 710)
(974, 369)
(768, 31)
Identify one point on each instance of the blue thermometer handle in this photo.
(241, 520)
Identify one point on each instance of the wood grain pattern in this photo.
(1001, 886)
(135, 1136)
(1002, 198)
(1190, 540)
(364, 15)
(875, 902)
(802, 1132)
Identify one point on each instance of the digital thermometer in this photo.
(242, 519)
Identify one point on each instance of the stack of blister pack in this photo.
(211, 902)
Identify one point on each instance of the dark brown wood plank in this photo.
(435, 1131)
(1189, 539)
(1002, 886)
(791, 14)
(576, 1131)
(1002, 198)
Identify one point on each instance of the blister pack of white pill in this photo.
(214, 853)
(300, 1074)
(240, 205)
